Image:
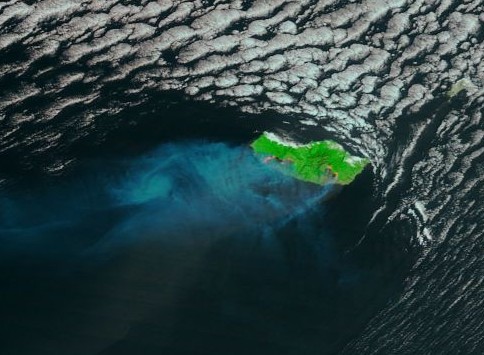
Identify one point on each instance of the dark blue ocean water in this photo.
(192, 246)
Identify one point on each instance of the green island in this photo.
(457, 87)
(318, 162)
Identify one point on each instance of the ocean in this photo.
(134, 218)
(179, 240)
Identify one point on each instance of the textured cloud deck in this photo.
(318, 162)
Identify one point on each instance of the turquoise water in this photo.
(193, 247)
(169, 194)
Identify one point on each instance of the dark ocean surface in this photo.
(179, 241)
(135, 220)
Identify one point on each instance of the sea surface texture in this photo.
(90, 88)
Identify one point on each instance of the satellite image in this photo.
(241, 177)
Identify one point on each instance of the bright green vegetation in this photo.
(317, 162)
